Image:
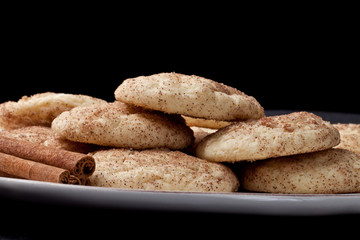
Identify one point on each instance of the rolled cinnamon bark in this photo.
(78, 164)
(22, 168)
(3, 174)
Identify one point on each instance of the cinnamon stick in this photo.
(80, 165)
(22, 168)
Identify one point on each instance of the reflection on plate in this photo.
(238, 203)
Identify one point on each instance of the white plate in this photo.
(238, 203)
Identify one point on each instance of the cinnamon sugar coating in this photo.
(192, 96)
(121, 125)
(199, 134)
(160, 169)
(283, 135)
(328, 172)
(350, 136)
(46, 137)
(40, 109)
(205, 123)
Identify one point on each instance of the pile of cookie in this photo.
(176, 132)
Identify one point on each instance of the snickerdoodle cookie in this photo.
(350, 136)
(160, 169)
(329, 171)
(192, 96)
(199, 134)
(46, 137)
(40, 109)
(121, 125)
(275, 136)
(205, 123)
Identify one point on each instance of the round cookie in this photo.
(350, 136)
(46, 137)
(328, 172)
(192, 96)
(121, 125)
(40, 109)
(199, 134)
(275, 136)
(160, 169)
(205, 123)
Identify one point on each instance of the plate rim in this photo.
(130, 199)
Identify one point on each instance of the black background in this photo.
(297, 62)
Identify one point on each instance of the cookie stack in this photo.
(286, 154)
(291, 153)
(177, 132)
(143, 132)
